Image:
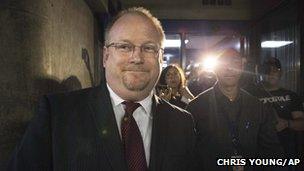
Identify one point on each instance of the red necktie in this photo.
(132, 140)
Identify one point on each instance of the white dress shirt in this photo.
(142, 116)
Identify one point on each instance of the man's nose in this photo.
(229, 68)
(137, 55)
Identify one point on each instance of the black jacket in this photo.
(78, 131)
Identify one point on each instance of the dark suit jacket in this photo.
(257, 135)
(78, 131)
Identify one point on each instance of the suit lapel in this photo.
(159, 132)
(104, 118)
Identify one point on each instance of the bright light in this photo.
(209, 63)
(275, 44)
(172, 43)
(237, 46)
(186, 41)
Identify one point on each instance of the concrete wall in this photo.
(41, 44)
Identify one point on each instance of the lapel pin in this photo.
(104, 132)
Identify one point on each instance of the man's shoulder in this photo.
(248, 96)
(71, 96)
(171, 110)
(253, 102)
(202, 97)
(256, 90)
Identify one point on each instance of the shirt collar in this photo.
(221, 97)
(115, 98)
(146, 103)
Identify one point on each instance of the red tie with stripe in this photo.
(132, 141)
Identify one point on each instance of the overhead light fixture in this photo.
(275, 44)
(172, 43)
(186, 41)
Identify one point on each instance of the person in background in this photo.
(232, 123)
(287, 104)
(172, 86)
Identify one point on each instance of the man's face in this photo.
(229, 69)
(132, 75)
(273, 77)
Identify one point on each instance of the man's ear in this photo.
(161, 58)
(105, 56)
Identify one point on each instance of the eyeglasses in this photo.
(148, 49)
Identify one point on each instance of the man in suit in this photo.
(232, 123)
(120, 125)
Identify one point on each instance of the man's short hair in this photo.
(275, 62)
(271, 64)
(139, 11)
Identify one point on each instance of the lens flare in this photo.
(209, 63)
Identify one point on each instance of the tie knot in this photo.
(130, 107)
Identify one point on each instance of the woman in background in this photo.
(172, 86)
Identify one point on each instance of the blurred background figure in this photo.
(231, 122)
(172, 86)
(287, 104)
